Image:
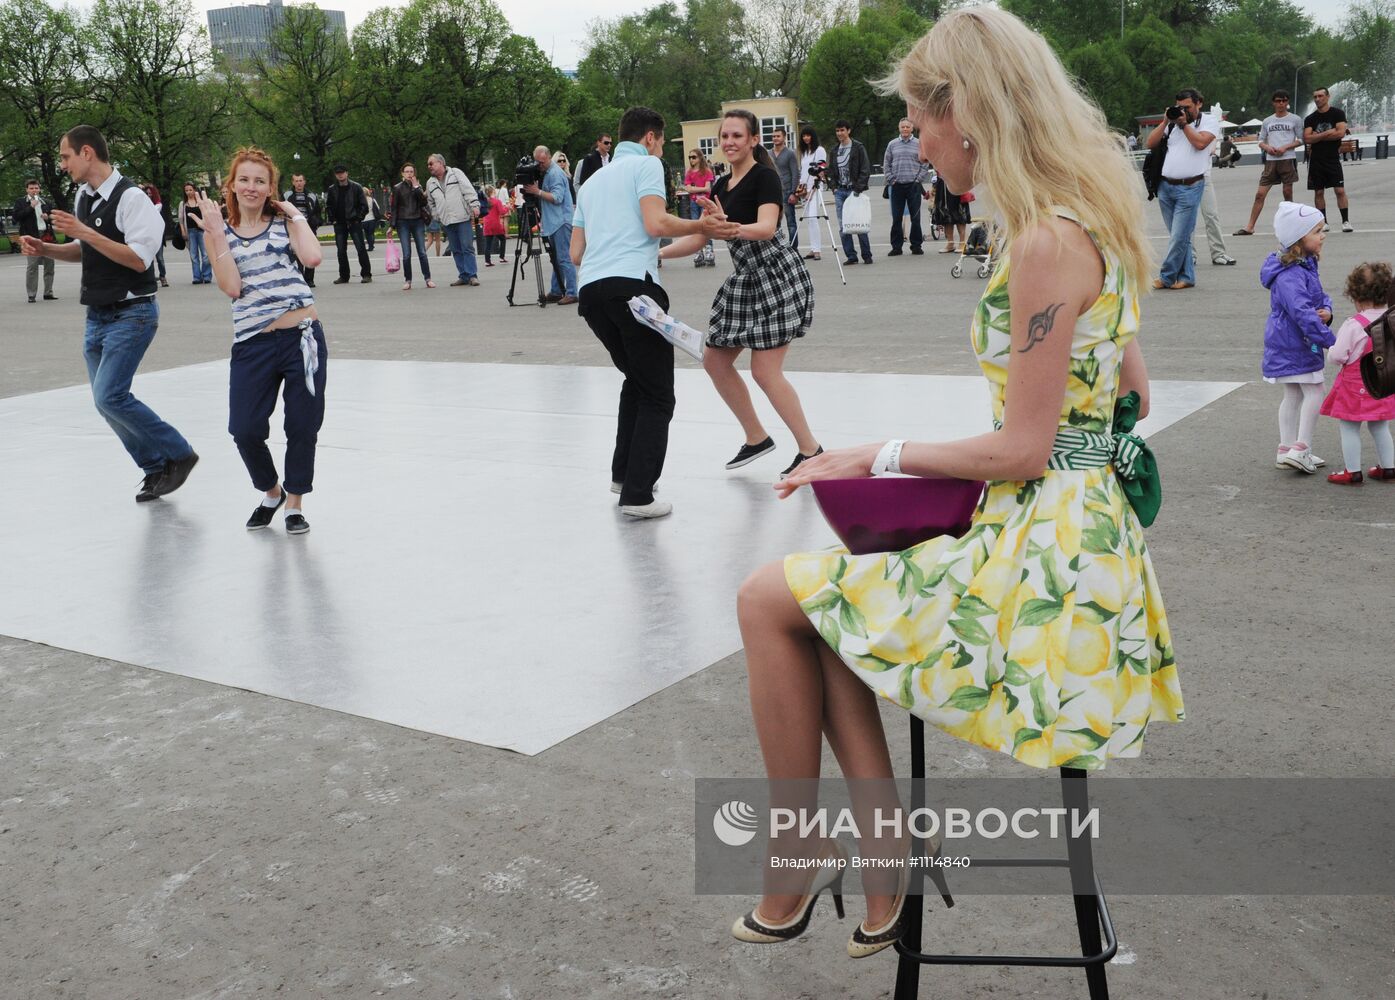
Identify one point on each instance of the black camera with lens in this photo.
(528, 171)
(817, 169)
(1175, 113)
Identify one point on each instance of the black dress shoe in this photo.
(750, 452)
(296, 524)
(367, 279)
(146, 491)
(894, 253)
(341, 281)
(50, 298)
(31, 298)
(554, 296)
(850, 262)
(917, 252)
(261, 517)
(176, 471)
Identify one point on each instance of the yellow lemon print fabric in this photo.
(1041, 632)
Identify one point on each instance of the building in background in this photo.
(772, 112)
(239, 33)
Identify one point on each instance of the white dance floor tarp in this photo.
(468, 573)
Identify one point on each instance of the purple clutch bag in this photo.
(890, 513)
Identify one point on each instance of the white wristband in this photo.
(889, 458)
(297, 218)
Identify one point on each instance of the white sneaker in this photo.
(1318, 463)
(1302, 461)
(1347, 227)
(650, 510)
(1279, 462)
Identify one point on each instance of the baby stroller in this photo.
(978, 247)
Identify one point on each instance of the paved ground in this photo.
(164, 837)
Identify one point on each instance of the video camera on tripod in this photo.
(529, 171)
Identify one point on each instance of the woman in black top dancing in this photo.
(766, 302)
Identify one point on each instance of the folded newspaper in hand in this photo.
(680, 335)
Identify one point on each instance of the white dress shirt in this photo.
(136, 217)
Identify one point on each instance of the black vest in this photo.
(104, 281)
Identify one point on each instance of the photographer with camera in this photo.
(553, 189)
(621, 215)
(1188, 133)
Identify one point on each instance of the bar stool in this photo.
(1091, 910)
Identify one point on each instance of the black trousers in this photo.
(646, 397)
(342, 233)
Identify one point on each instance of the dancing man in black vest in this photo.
(116, 234)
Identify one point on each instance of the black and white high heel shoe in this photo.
(867, 941)
(754, 930)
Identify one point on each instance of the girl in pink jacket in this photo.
(1369, 287)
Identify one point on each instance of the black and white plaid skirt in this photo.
(767, 300)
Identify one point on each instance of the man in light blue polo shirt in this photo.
(555, 193)
(621, 215)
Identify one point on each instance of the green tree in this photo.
(301, 93)
(841, 64)
(170, 113)
(44, 89)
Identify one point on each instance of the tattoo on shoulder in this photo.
(1040, 325)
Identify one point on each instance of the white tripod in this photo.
(822, 213)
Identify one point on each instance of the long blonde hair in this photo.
(1040, 141)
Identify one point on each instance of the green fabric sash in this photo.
(1130, 455)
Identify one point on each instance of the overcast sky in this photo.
(561, 29)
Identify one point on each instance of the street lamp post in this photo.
(1295, 80)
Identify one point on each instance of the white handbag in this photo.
(857, 214)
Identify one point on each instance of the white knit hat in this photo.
(1293, 221)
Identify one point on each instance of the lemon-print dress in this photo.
(1040, 632)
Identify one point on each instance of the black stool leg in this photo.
(1082, 873)
(908, 969)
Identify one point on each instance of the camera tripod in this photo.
(529, 247)
(816, 194)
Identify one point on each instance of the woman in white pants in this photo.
(810, 152)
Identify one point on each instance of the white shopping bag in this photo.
(857, 214)
(680, 335)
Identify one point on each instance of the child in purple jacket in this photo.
(1297, 332)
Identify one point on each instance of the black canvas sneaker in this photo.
(750, 452)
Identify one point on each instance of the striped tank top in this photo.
(271, 285)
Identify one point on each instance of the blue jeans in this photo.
(1179, 203)
(840, 196)
(411, 231)
(461, 238)
(198, 256)
(563, 267)
(114, 344)
(792, 222)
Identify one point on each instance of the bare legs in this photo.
(767, 368)
(1320, 200)
(801, 690)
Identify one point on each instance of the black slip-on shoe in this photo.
(296, 524)
(799, 459)
(261, 517)
(750, 452)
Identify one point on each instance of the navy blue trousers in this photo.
(262, 366)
